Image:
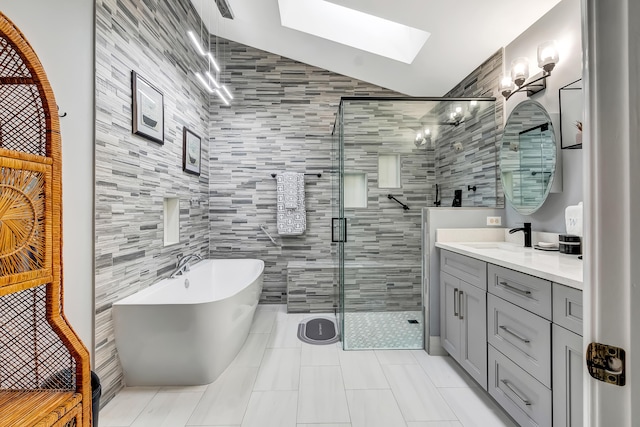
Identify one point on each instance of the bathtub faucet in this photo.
(183, 264)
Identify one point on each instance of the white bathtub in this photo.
(170, 334)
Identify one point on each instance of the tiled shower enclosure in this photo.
(392, 153)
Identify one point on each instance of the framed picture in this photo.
(148, 109)
(191, 152)
(571, 115)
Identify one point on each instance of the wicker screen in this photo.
(23, 124)
(22, 220)
(32, 356)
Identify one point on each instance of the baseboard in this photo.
(435, 348)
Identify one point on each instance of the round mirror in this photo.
(528, 157)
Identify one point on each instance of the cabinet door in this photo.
(567, 378)
(473, 344)
(449, 314)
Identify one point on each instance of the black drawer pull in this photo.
(455, 300)
(516, 290)
(507, 330)
(516, 392)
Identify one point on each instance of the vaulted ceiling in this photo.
(463, 33)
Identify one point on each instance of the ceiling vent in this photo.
(225, 9)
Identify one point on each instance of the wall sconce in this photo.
(548, 57)
(423, 139)
(474, 107)
(456, 115)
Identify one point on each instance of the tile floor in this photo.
(383, 330)
(278, 381)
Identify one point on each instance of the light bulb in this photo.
(506, 85)
(213, 61)
(474, 107)
(427, 132)
(520, 70)
(196, 43)
(548, 55)
(221, 96)
(224, 88)
(204, 82)
(212, 79)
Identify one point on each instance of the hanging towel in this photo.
(292, 220)
(290, 189)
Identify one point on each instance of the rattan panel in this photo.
(22, 220)
(23, 121)
(32, 356)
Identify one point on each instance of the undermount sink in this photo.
(494, 245)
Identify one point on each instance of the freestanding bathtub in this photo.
(187, 330)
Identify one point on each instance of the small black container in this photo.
(96, 392)
(570, 244)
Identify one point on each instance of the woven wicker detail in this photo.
(45, 378)
(22, 244)
(32, 356)
(23, 124)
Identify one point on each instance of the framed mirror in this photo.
(528, 157)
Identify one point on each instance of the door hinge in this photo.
(606, 363)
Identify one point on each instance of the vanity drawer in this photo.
(521, 395)
(528, 292)
(567, 308)
(468, 269)
(521, 336)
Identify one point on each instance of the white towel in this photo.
(291, 181)
(291, 221)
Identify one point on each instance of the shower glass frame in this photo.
(354, 273)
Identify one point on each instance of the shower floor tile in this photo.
(383, 330)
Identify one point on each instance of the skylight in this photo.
(353, 28)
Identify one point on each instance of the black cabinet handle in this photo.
(456, 300)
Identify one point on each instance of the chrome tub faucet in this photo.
(183, 264)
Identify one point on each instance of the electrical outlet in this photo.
(494, 220)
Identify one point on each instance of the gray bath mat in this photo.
(318, 330)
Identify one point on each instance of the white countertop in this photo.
(554, 266)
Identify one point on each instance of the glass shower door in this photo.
(338, 231)
(380, 255)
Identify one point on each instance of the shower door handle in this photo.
(333, 230)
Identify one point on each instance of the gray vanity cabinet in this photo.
(517, 335)
(519, 327)
(463, 313)
(450, 330)
(567, 356)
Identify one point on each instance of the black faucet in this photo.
(527, 233)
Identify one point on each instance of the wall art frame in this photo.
(571, 104)
(191, 152)
(147, 109)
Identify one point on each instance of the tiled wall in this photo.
(477, 163)
(133, 174)
(281, 119)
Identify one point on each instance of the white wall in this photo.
(563, 24)
(61, 33)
